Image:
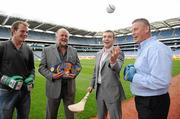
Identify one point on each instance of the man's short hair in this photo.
(144, 21)
(62, 29)
(110, 31)
(16, 24)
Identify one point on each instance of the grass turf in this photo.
(38, 100)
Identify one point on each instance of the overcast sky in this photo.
(91, 14)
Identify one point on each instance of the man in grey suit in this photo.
(60, 65)
(105, 81)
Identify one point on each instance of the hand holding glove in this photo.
(14, 82)
(129, 72)
(29, 82)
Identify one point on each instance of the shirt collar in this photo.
(146, 42)
(59, 46)
(107, 50)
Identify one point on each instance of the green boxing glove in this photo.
(29, 79)
(14, 82)
(29, 82)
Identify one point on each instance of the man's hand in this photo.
(90, 89)
(72, 76)
(69, 76)
(129, 72)
(57, 76)
(29, 82)
(115, 55)
(14, 82)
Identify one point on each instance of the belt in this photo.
(153, 96)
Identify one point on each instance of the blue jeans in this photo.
(10, 99)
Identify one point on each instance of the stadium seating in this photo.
(5, 32)
(165, 34)
(88, 46)
(177, 32)
(129, 38)
(177, 51)
(156, 33)
(83, 40)
(41, 36)
(121, 39)
(37, 55)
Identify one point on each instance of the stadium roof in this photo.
(6, 21)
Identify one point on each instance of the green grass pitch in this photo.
(38, 100)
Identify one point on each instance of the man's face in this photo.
(21, 33)
(108, 39)
(139, 31)
(62, 38)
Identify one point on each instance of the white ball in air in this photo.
(110, 8)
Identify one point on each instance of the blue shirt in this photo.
(153, 66)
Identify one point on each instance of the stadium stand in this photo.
(156, 33)
(37, 55)
(129, 38)
(82, 40)
(41, 35)
(166, 34)
(4, 32)
(88, 43)
(177, 32)
(121, 39)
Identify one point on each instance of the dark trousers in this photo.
(9, 100)
(153, 107)
(53, 104)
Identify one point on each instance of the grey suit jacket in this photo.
(109, 78)
(50, 58)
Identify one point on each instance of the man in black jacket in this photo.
(16, 73)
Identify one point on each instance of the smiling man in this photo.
(151, 79)
(105, 81)
(60, 65)
(16, 73)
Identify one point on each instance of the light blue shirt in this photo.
(153, 66)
